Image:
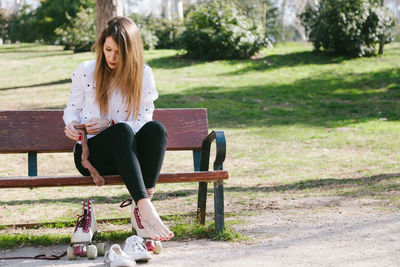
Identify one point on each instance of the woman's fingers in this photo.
(74, 134)
(71, 132)
(71, 136)
(93, 126)
(94, 129)
(71, 128)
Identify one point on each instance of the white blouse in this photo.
(82, 104)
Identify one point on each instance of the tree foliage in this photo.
(53, 14)
(348, 27)
(3, 24)
(81, 34)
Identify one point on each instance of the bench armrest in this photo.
(219, 137)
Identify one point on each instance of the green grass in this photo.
(182, 232)
(10, 241)
(194, 230)
(298, 124)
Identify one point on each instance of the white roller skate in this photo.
(138, 229)
(84, 234)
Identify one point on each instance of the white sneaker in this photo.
(136, 249)
(116, 257)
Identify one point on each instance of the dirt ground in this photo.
(315, 231)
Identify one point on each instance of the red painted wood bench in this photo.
(42, 131)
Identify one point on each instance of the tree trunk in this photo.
(179, 8)
(282, 19)
(264, 16)
(382, 41)
(168, 9)
(106, 10)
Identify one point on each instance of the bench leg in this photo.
(32, 163)
(201, 203)
(219, 206)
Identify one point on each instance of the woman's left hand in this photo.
(96, 125)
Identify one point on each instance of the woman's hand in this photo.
(96, 125)
(71, 132)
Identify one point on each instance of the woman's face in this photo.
(111, 52)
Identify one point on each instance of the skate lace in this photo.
(136, 213)
(79, 222)
(126, 202)
(83, 221)
(138, 218)
(139, 246)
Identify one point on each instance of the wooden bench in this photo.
(42, 131)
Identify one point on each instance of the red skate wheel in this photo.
(79, 251)
(150, 245)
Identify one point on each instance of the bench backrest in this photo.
(43, 130)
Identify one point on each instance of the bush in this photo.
(145, 24)
(397, 32)
(81, 35)
(21, 26)
(347, 27)
(168, 33)
(253, 9)
(158, 33)
(3, 24)
(217, 31)
(148, 38)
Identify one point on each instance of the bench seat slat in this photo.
(48, 181)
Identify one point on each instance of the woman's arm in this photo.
(75, 102)
(74, 106)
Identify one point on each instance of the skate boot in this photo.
(86, 226)
(84, 234)
(138, 229)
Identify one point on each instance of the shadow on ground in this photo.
(173, 62)
(321, 101)
(272, 62)
(324, 183)
(297, 186)
(37, 85)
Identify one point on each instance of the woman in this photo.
(113, 97)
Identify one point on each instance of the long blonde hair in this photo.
(129, 73)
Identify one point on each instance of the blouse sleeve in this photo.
(75, 102)
(149, 95)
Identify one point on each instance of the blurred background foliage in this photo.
(351, 27)
(211, 29)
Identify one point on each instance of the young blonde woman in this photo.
(113, 97)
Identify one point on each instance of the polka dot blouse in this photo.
(82, 104)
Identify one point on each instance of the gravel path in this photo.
(351, 234)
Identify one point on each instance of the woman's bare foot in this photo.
(152, 222)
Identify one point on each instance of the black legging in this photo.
(137, 158)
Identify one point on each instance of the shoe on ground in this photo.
(116, 257)
(136, 249)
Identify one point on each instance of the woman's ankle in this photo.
(143, 202)
(150, 192)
